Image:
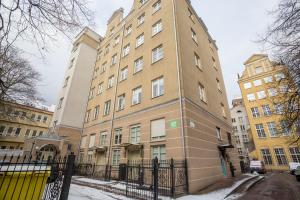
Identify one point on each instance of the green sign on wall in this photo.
(173, 124)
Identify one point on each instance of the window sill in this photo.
(157, 96)
(140, 24)
(137, 72)
(153, 35)
(136, 47)
(132, 105)
(156, 61)
(155, 11)
(158, 140)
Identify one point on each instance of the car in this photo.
(257, 166)
(297, 173)
(293, 166)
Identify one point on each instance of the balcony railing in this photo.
(11, 152)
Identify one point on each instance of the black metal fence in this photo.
(25, 178)
(143, 179)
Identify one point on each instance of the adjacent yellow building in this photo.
(259, 88)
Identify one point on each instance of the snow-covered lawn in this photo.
(86, 193)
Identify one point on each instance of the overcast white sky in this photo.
(234, 24)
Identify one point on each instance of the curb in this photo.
(256, 181)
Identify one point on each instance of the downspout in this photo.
(178, 61)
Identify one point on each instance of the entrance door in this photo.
(134, 155)
(101, 158)
(223, 165)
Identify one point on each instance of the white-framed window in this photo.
(223, 110)
(60, 103)
(259, 70)
(128, 30)
(157, 28)
(106, 108)
(272, 92)
(117, 40)
(261, 94)
(111, 81)
(92, 141)
(257, 82)
(96, 71)
(96, 112)
(295, 154)
(138, 65)
(100, 88)
(158, 129)
(267, 156)
(157, 53)
(158, 87)
(143, 1)
(158, 152)
(194, 35)
(87, 116)
(272, 129)
(284, 128)
(136, 95)
(116, 157)
(202, 93)
(191, 15)
(267, 110)
(243, 128)
(251, 97)
(141, 19)
(103, 138)
(114, 59)
(139, 40)
(255, 112)
(279, 76)
(245, 138)
(278, 108)
(268, 79)
(126, 50)
(121, 102)
(197, 61)
(118, 136)
(283, 89)
(247, 85)
(280, 156)
(260, 130)
(124, 74)
(83, 142)
(156, 6)
(218, 131)
(135, 134)
(103, 67)
(92, 91)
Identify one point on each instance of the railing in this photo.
(11, 152)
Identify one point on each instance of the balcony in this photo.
(11, 152)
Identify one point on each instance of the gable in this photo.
(255, 57)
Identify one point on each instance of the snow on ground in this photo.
(86, 193)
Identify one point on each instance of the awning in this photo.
(100, 149)
(132, 147)
(222, 147)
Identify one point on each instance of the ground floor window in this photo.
(295, 154)
(90, 157)
(116, 157)
(280, 155)
(159, 152)
(267, 156)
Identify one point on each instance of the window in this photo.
(157, 28)
(138, 65)
(106, 108)
(27, 132)
(107, 49)
(158, 87)
(121, 102)
(126, 50)
(141, 19)
(240, 151)
(266, 110)
(279, 76)
(157, 54)
(158, 152)
(87, 116)
(260, 130)
(92, 141)
(280, 155)
(194, 36)
(272, 129)
(92, 93)
(137, 96)
(245, 138)
(283, 89)
(272, 92)
(33, 116)
(261, 95)
(156, 6)
(218, 131)
(103, 67)
(39, 118)
(240, 119)
(135, 134)
(268, 79)
(278, 108)
(114, 59)
(128, 30)
(295, 154)
(96, 112)
(34, 133)
(202, 93)
(219, 85)
(197, 61)
(242, 127)
(60, 103)
(158, 129)
(284, 128)
(143, 1)
(267, 156)
(124, 74)
(237, 139)
(259, 70)
(223, 110)
(103, 137)
(191, 16)
(255, 112)
(116, 157)
(18, 130)
(257, 82)
(112, 30)
(247, 85)
(83, 142)
(45, 119)
(111, 81)
(71, 63)
(117, 40)
(251, 97)
(100, 88)
(41, 133)
(118, 136)
(233, 120)
(66, 81)
(139, 40)
(2, 129)
(95, 73)
(235, 129)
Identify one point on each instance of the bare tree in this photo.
(283, 41)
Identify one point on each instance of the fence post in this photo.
(186, 176)
(67, 177)
(155, 178)
(172, 178)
